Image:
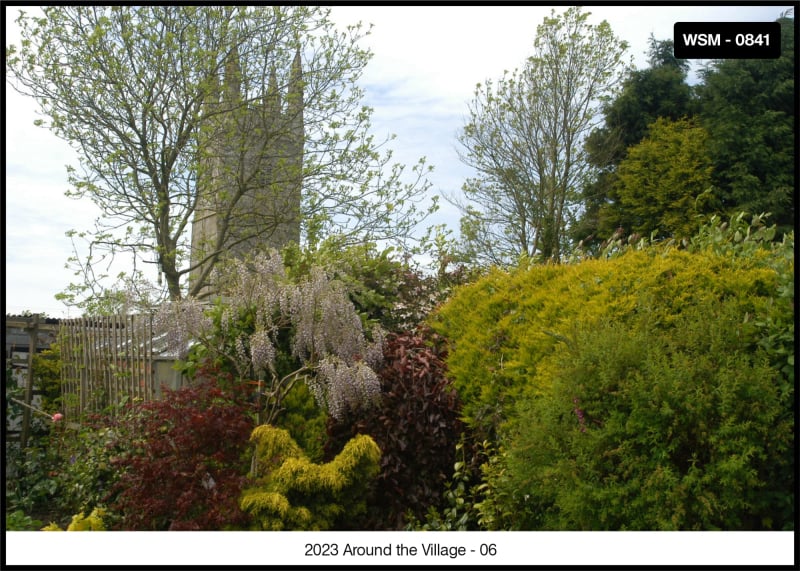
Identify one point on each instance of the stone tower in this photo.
(250, 176)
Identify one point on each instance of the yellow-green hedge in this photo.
(503, 329)
(651, 390)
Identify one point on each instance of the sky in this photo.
(426, 63)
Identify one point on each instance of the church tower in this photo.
(250, 172)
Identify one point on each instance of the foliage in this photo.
(688, 426)
(657, 92)
(186, 460)
(748, 109)
(371, 277)
(420, 294)
(32, 483)
(67, 469)
(524, 137)
(397, 294)
(18, 520)
(305, 421)
(280, 332)
(745, 107)
(646, 95)
(136, 89)
(63, 470)
(14, 389)
(80, 522)
(86, 473)
(664, 183)
(27, 483)
(459, 512)
(742, 239)
(292, 493)
(47, 377)
(416, 427)
(503, 327)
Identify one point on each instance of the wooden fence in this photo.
(40, 332)
(105, 360)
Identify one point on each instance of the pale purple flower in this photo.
(262, 351)
(181, 322)
(340, 387)
(327, 332)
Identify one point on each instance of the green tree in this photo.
(664, 183)
(646, 95)
(748, 108)
(524, 138)
(135, 91)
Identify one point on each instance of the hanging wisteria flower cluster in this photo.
(340, 387)
(327, 337)
(180, 323)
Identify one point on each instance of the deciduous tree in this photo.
(129, 87)
(524, 137)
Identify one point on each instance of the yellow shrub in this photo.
(505, 328)
(291, 492)
(94, 522)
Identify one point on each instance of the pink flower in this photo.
(57, 416)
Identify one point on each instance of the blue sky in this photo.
(426, 63)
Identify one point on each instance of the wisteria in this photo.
(256, 285)
(373, 353)
(325, 320)
(181, 322)
(340, 387)
(326, 334)
(262, 351)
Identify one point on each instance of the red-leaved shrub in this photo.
(187, 459)
(416, 425)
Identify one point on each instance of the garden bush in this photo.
(651, 429)
(87, 474)
(186, 461)
(18, 520)
(81, 522)
(416, 425)
(32, 484)
(47, 377)
(502, 328)
(650, 390)
(289, 492)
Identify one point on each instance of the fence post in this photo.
(33, 332)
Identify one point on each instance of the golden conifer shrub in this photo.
(322, 495)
